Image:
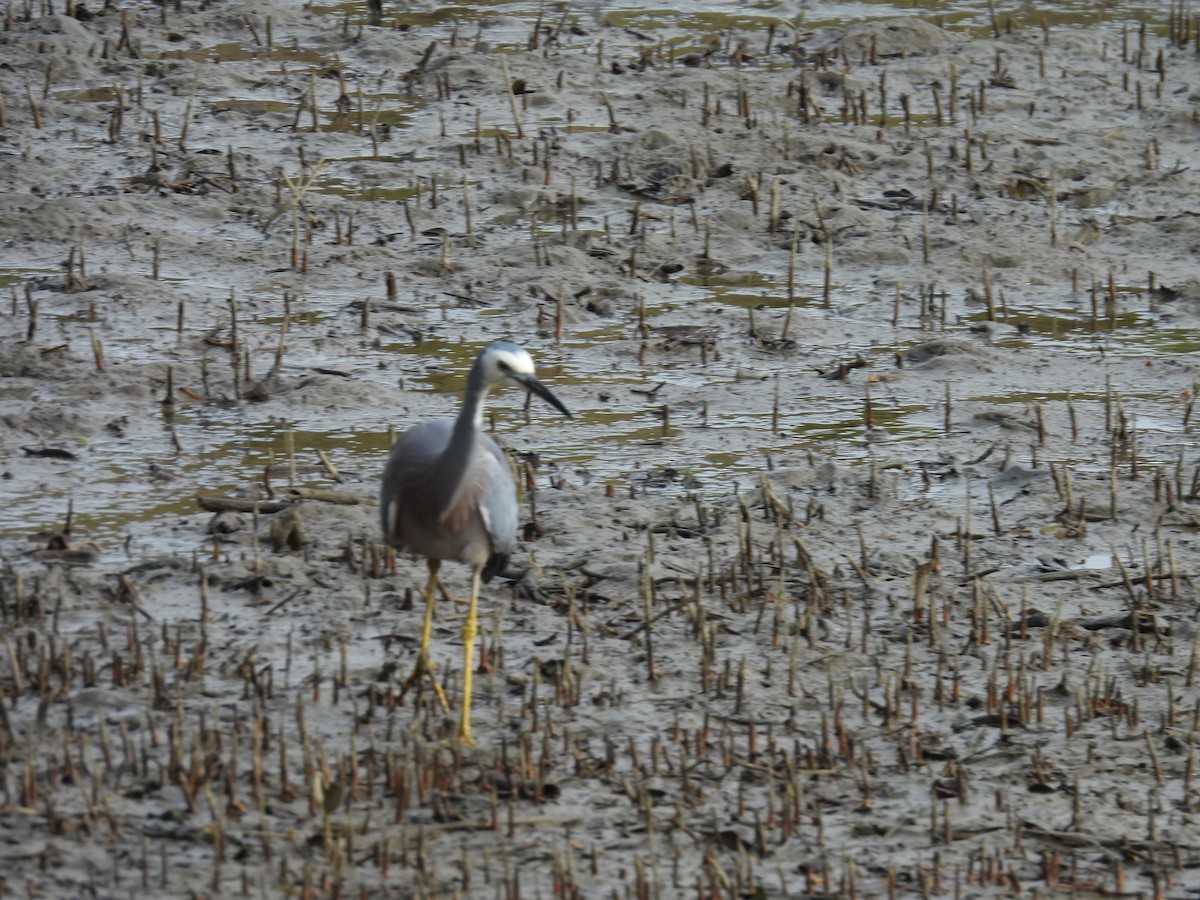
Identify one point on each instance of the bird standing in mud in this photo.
(448, 494)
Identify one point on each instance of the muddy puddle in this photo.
(623, 433)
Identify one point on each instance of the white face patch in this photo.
(516, 362)
(521, 363)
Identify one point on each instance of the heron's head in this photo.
(504, 362)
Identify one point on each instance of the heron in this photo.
(448, 494)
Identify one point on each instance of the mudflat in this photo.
(867, 566)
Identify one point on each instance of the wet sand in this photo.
(866, 567)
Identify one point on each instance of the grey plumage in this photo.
(447, 494)
(419, 509)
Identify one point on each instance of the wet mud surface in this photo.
(866, 568)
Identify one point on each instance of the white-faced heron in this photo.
(448, 494)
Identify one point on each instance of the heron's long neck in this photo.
(454, 465)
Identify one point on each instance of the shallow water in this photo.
(707, 445)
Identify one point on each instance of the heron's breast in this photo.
(460, 533)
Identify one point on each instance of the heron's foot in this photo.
(423, 668)
(446, 595)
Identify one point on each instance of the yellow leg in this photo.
(430, 598)
(470, 629)
(424, 666)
